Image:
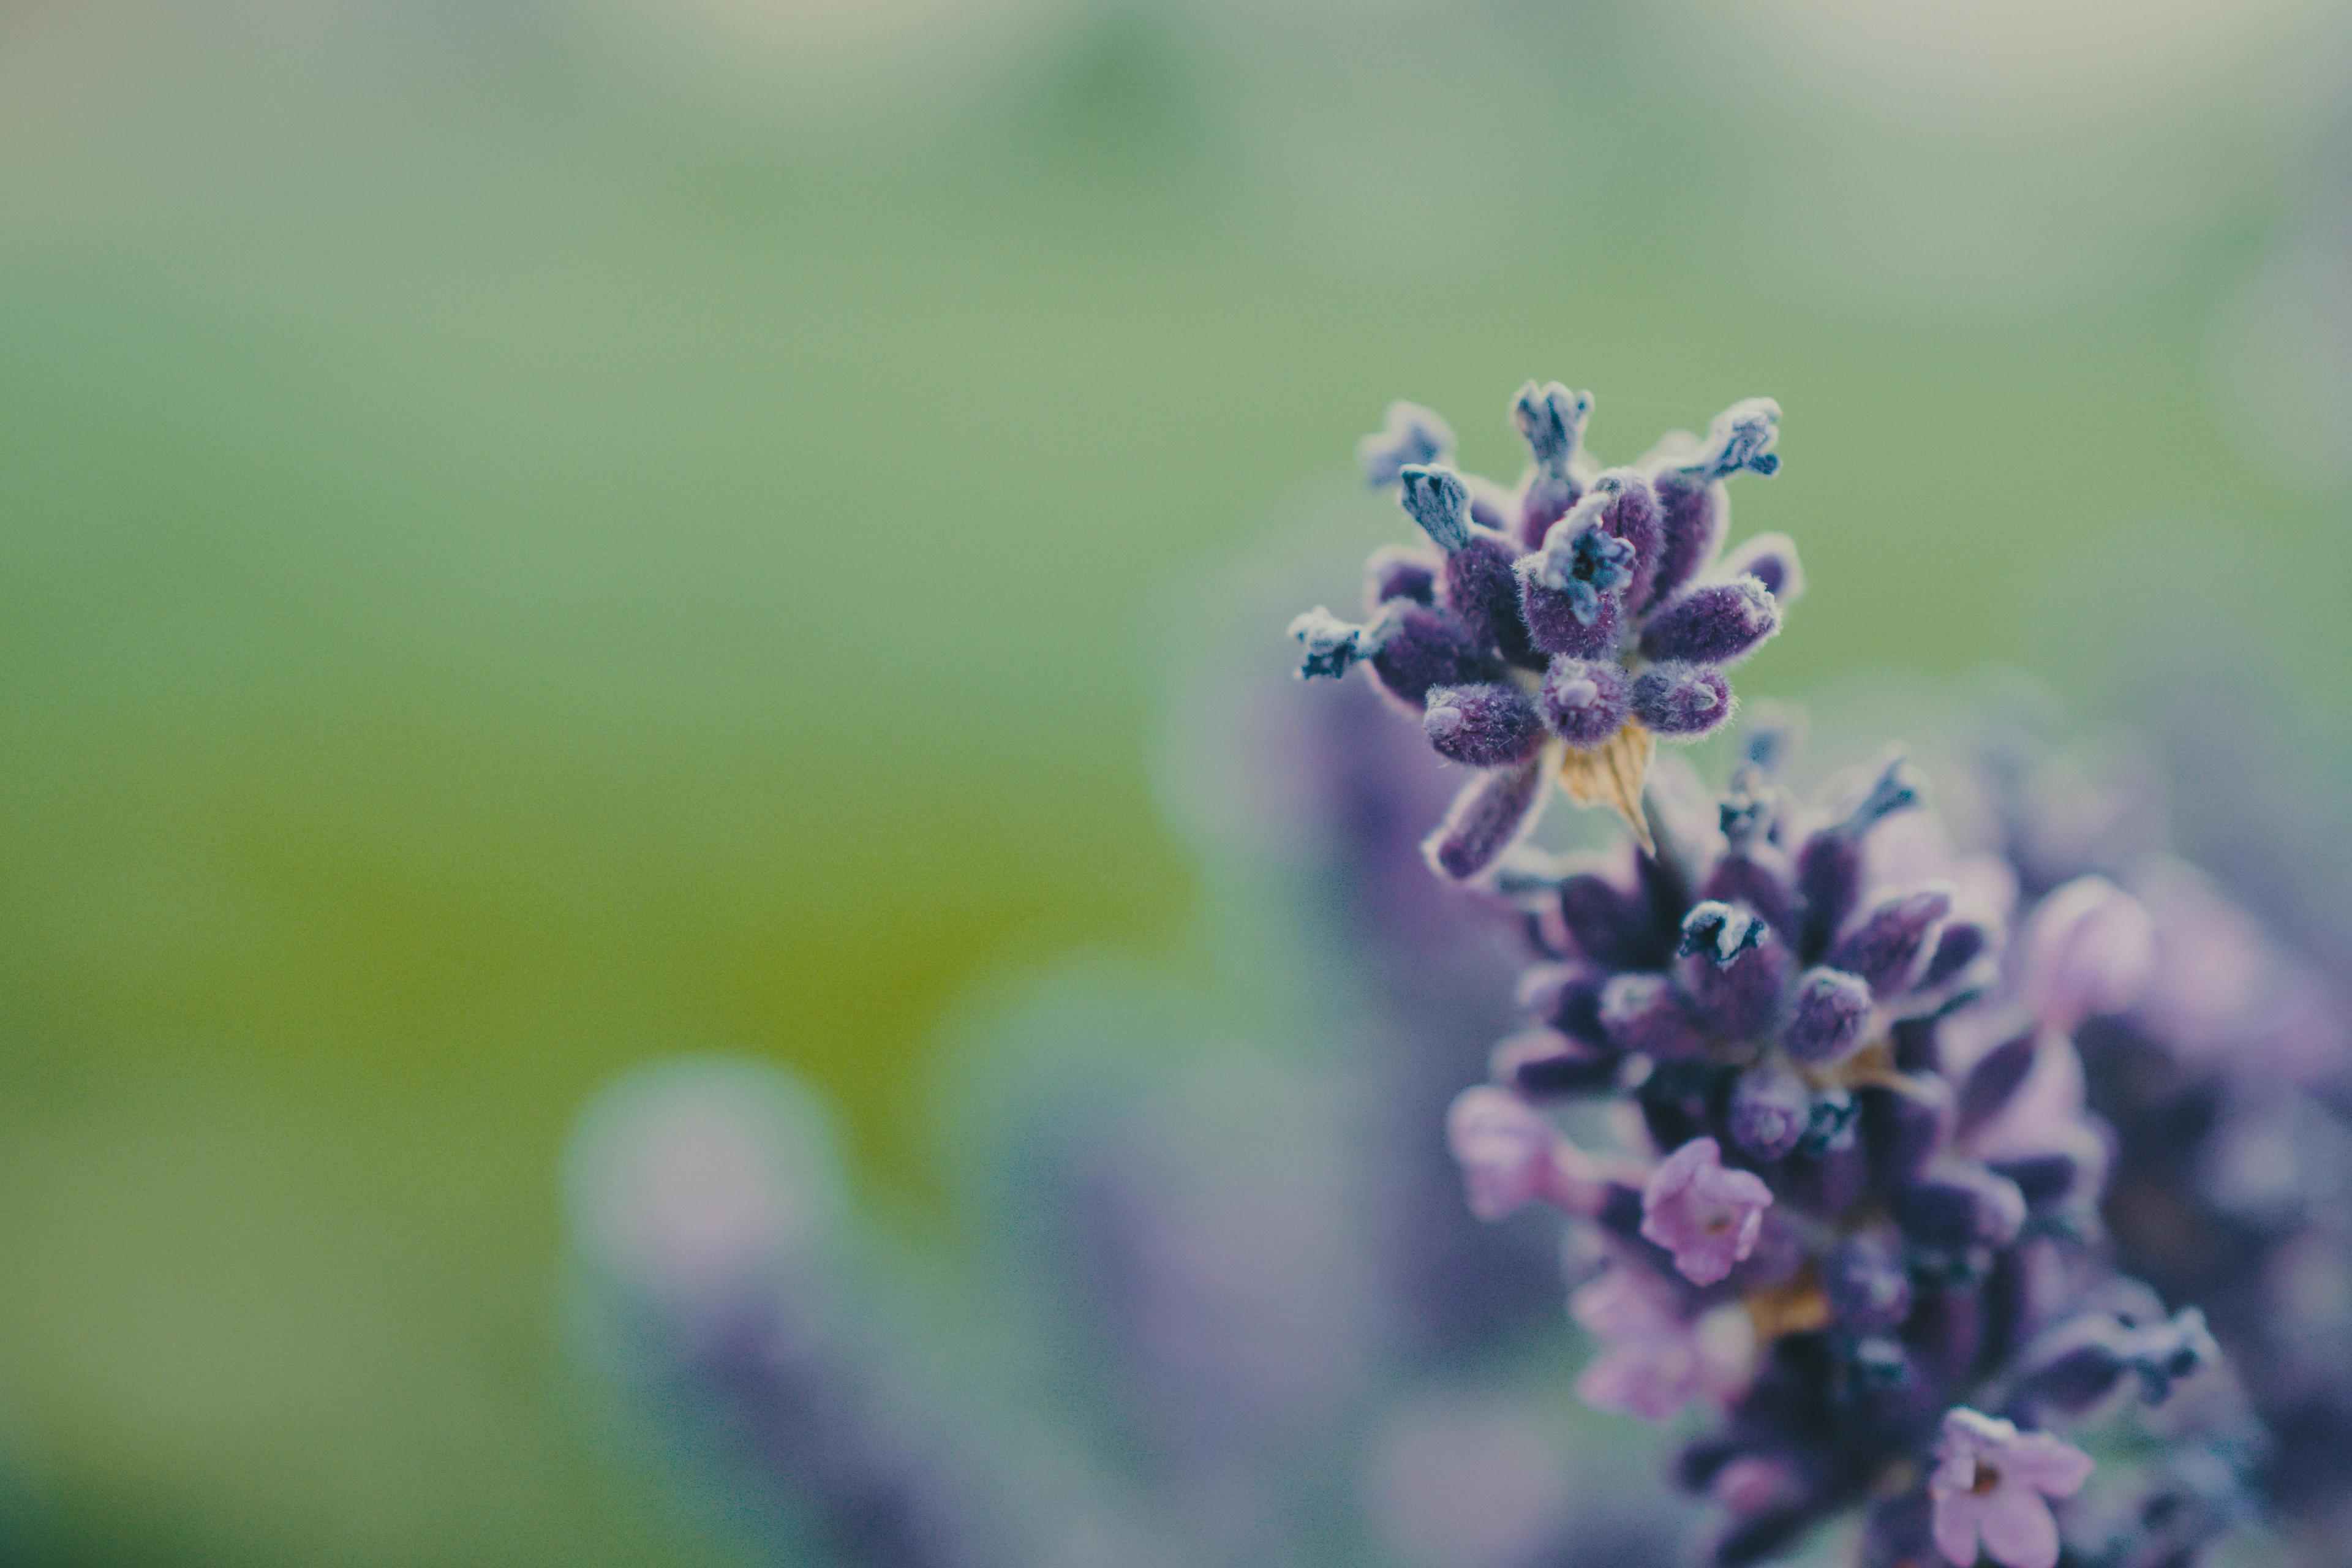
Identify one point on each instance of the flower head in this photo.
(1706, 1216)
(1993, 1485)
(1589, 605)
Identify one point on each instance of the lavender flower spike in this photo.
(1707, 1217)
(1992, 1485)
(1581, 564)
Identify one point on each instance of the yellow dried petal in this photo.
(1611, 774)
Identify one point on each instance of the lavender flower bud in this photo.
(1608, 925)
(1413, 649)
(1585, 702)
(1716, 623)
(1742, 438)
(1571, 592)
(1487, 818)
(1439, 501)
(1625, 504)
(1331, 645)
(1868, 1287)
(1832, 1007)
(1885, 949)
(1992, 1081)
(1682, 700)
(1481, 584)
(1642, 1012)
(1551, 420)
(1489, 726)
(1567, 997)
(1769, 1111)
(1399, 571)
(1961, 1207)
(1902, 1129)
(1734, 970)
(1771, 560)
(2089, 948)
(1411, 435)
(1546, 1064)
(1958, 945)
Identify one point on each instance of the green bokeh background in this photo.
(535, 537)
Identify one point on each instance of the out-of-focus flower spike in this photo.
(1960, 946)
(1685, 700)
(1716, 623)
(1411, 433)
(1488, 726)
(1487, 818)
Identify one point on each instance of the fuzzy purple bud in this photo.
(1489, 726)
(1487, 818)
(1716, 623)
(1571, 592)
(1771, 560)
(1960, 1206)
(1832, 1007)
(1585, 702)
(1621, 501)
(1409, 434)
(1400, 572)
(1682, 700)
(1769, 1110)
(1643, 1012)
(1412, 648)
(1885, 945)
(1551, 420)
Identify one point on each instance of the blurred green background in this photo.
(540, 534)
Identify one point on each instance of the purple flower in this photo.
(1992, 1485)
(2089, 948)
(1510, 1156)
(1613, 571)
(1706, 1216)
(1654, 1359)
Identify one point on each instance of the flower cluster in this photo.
(1851, 1202)
(2226, 1078)
(1554, 631)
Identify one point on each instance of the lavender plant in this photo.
(1852, 1202)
